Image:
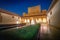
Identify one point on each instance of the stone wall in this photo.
(8, 19)
(0, 17)
(54, 15)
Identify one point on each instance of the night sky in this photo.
(20, 6)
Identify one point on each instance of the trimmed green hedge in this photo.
(26, 33)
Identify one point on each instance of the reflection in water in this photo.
(44, 32)
(44, 28)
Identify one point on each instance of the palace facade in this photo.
(34, 15)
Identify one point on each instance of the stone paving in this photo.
(48, 32)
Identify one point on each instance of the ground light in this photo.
(44, 20)
(25, 20)
(32, 22)
(28, 20)
(17, 22)
(40, 20)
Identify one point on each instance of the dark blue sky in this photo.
(20, 6)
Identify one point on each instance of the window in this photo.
(12, 16)
(51, 13)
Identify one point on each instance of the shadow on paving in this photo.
(55, 32)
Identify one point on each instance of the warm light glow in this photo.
(28, 20)
(44, 20)
(20, 19)
(17, 22)
(40, 20)
(44, 28)
(37, 21)
(32, 22)
(25, 20)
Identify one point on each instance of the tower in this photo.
(34, 10)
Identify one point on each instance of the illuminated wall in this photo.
(0, 18)
(35, 15)
(54, 15)
(34, 19)
(9, 19)
(35, 9)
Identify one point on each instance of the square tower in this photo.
(34, 10)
